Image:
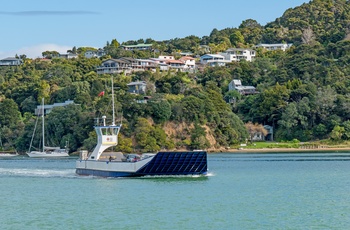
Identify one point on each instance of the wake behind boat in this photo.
(98, 163)
(45, 151)
(6, 155)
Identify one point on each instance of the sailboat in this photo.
(135, 165)
(46, 151)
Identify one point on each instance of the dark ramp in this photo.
(176, 163)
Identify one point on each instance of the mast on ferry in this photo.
(113, 115)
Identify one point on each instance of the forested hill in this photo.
(329, 21)
(303, 91)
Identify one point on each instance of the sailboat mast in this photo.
(43, 127)
(113, 115)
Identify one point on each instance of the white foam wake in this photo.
(37, 172)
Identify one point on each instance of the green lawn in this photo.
(293, 144)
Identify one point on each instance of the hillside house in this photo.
(243, 90)
(260, 137)
(176, 64)
(213, 60)
(68, 56)
(271, 47)
(237, 54)
(95, 53)
(190, 62)
(137, 47)
(48, 108)
(10, 61)
(111, 66)
(137, 87)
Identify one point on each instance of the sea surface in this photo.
(241, 191)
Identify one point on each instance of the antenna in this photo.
(43, 123)
(113, 116)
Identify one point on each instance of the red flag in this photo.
(101, 94)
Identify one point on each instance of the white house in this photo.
(137, 47)
(278, 46)
(94, 53)
(163, 57)
(90, 53)
(213, 60)
(237, 54)
(243, 90)
(190, 62)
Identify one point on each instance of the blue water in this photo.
(242, 191)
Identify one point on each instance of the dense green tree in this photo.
(236, 38)
(161, 110)
(198, 139)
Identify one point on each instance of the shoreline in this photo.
(282, 150)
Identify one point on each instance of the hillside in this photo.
(303, 92)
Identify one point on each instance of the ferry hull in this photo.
(163, 163)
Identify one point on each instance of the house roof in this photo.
(128, 59)
(137, 83)
(10, 59)
(146, 60)
(115, 60)
(244, 87)
(187, 58)
(214, 55)
(175, 61)
(238, 49)
(136, 46)
(276, 44)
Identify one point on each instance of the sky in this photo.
(31, 27)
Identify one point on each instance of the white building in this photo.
(237, 54)
(243, 90)
(213, 60)
(190, 62)
(279, 46)
(137, 47)
(94, 53)
(10, 61)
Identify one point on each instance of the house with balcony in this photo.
(237, 54)
(146, 64)
(243, 90)
(10, 61)
(213, 60)
(176, 64)
(126, 65)
(190, 62)
(137, 47)
(137, 87)
(271, 47)
(139, 64)
(111, 66)
(94, 53)
(163, 62)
